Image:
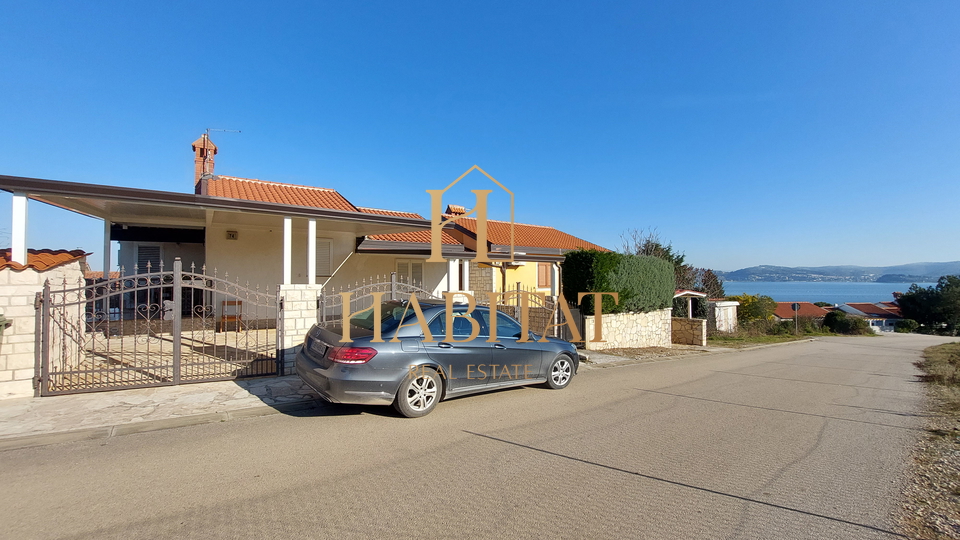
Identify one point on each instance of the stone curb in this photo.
(726, 350)
(104, 432)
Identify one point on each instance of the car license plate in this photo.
(318, 348)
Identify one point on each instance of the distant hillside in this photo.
(904, 273)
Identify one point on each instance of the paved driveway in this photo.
(805, 440)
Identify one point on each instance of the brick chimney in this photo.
(204, 150)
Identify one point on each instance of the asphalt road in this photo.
(806, 440)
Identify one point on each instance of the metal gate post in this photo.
(280, 340)
(393, 285)
(177, 316)
(43, 312)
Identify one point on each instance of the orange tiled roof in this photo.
(97, 274)
(498, 232)
(892, 308)
(395, 213)
(41, 259)
(232, 187)
(785, 310)
(872, 310)
(419, 237)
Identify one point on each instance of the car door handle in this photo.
(499, 346)
(444, 345)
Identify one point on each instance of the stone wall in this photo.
(689, 332)
(299, 314)
(622, 330)
(18, 291)
(481, 279)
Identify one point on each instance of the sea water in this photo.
(834, 292)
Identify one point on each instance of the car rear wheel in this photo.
(560, 373)
(419, 393)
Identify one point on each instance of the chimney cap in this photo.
(204, 142)
(456, 209)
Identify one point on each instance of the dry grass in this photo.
(932, 505)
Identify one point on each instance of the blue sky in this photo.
(790, 133)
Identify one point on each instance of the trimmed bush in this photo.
(644, 283)
(905, 326)
(839, 322)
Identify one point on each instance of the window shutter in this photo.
(417, 273)
(544, 275)
(148, 254)
(324, 258)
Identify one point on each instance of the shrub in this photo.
(754, 307)
(839, 322)
(905, 326)
(644, 283)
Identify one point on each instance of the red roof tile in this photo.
(872, 310)
(41, 259)
(231, 187)
(395, 213)
(419, 237)
(97, 274)
(498, 232)
(785, 310)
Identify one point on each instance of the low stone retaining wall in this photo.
(630, 330)
(690, 332)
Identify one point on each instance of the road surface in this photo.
(807, 440)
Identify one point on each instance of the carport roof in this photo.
(152, 207)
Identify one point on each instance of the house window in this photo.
(544, 275)
(148, 254)
(409, 271)
(324, 257)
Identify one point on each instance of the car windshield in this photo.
(391, 316)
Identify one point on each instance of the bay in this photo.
(834, 292)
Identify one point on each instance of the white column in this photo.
(312, 252)
(106, 249)
(466, 275)
(287, 251)
(689, 307)
(453, 274)
(554, 279)
(18, 230)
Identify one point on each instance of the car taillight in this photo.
(352, 355)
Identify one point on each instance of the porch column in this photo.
(689, 307)
(287, 251)
(453, 274)
(106, 249)
(18, 230)
(466, 274)
(554, 279)
(312, 252)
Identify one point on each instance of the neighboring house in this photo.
(880, 318)
(785, 311)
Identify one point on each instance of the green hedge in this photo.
(644, 283)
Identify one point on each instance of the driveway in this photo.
(807, 440)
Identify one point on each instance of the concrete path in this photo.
(55, 419)
(809, 440)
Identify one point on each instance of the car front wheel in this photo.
(560, 373)
(419, 393)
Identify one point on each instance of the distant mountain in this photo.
(903, 273)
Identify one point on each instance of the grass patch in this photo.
(941, 366)
(740, 341)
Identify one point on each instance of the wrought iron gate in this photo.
(155, 329)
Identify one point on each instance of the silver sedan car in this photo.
(413, 373)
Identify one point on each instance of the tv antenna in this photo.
(206, 154)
